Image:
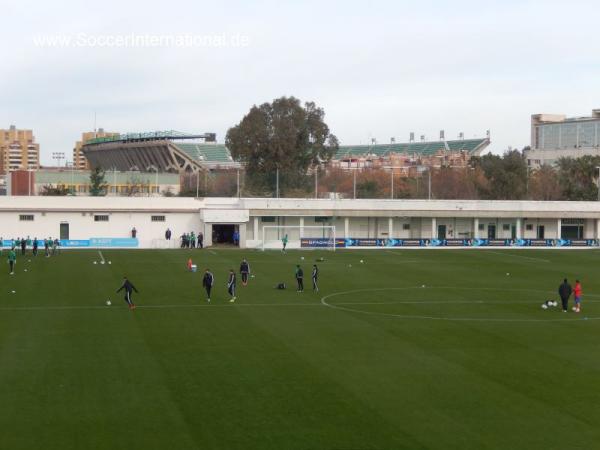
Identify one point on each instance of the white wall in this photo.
(83, 226)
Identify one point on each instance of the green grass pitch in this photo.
(410, 350)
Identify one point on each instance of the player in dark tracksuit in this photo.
(300, 278)
(244, 271)
(129, 288)
(231, 285)
(315, 276)
(35, 246)
(207, 282)
(564, 291)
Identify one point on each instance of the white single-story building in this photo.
(104, 221)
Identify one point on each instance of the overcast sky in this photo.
(378, 68)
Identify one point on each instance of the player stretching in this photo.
(300, 278)
(207, 282)
(12, 260)
(315, 276)
(129, 288)
(244, 271)
(577, 291)
(231, 285)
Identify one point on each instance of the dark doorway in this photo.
(491, 231)
(64, 231)
(223, 234)
(541, 231)
(441, 232)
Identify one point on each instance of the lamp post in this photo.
(429, 187)
(316, 182)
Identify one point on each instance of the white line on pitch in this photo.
(101, 257)
(519, 256)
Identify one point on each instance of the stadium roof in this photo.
(151, 136)
(472, 146)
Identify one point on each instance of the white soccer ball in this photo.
(544, 306)
(24, 270)
(555, 303)
(108, 303)
(349, 265)
(95, 262)
(251, 276)
(423, 286)
(507, 274)
(109, 262)
(361, 261)
(14, 292)
(302, 258)
(574, 309)
(101, 262)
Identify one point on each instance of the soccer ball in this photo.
(109, 262)
(507, 274)
(95, 262)
(544, 306)
(555, 303)
(361, 261)
(349, 265)
(423, 286)
(108, 303)
(574, 309)
(101, 262)
(302, 258)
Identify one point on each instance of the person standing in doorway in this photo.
(564, 291)
(168, 234)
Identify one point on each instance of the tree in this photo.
(544, 184)
(58, 190)
(281, 136)
(506, 175)
(578, 177)
(454, 183)
(98, 185)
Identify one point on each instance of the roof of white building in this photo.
(310, 207)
